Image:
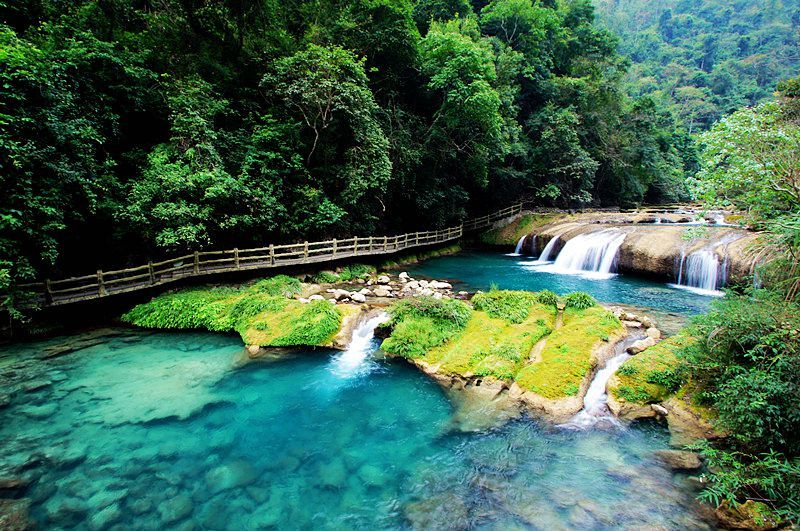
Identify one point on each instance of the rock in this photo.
(641, 345)
(14, 515)
(332, 474)
(303, 300)
(632, 324)
(679, 459)
(647, 322)
(751, 515)
(230, 476)
(444, 511)
(404, 277)
(341, 294)
(658, 409)
(686, 426)
(383, 279)
(366, 292)
(437, 295)
(103, 519)
(35, 385)
(435, 284)
(381, 292)
(316, 298)
(423, 283)
(105, 498)
(141, 506)
(411, 286)
(372, 475)
(358, 297)
(175, 509)
(653, 332)
(12, 486)
(5, 400)
(253, 350)
(39, 412)
(425, 292)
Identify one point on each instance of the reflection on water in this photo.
(155, 431)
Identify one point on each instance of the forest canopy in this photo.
(132, 129)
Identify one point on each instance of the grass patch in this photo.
(567, 357)
(419, 325)
(655, 374)
(513, 306)
(261, 313)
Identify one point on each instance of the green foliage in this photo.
(632, 394)
(627, 370)
(513, 306)
(279, 285)
(354, 271)
(579, 300)
(547, 297)
(325, 277)
(314, 325)
(771, 478)
(422, 323)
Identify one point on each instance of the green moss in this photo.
(513, 306)
(261, 313)
(653, 375)
(419, 325)
(567, 357)
(523, 225)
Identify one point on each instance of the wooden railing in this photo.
(105, 283)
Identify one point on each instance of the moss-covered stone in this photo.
(511, 336)
(568, 356)
(261, 313)
(522, 226)
(652, 376)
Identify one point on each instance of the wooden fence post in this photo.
(355, 244)
(151, 272)
(369, 245)
(271, 254)
(385, 243)
(196, 263)
(305, 252)
(48, 292)
(417, 238)
(334, 247)
(236, 257)
(101, 288)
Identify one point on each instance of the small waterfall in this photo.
(702, 272)
(548, 249)
(658, 220)
(595, 252)
(595, 403)
(352, 362)
(518, 249)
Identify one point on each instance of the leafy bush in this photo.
(325, 277)
(630, 394)
(315, 325)
(580, 300)
(671, 379)
(513, 306)
(420, 324)
(354, 271)
(280, 285)
(547, 298)
(627, 370)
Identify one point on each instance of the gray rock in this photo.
(641, 345)
(679, 459)
(358, 297)
(653, 332)
(39, 412)
(436, 284)
(175, 509)
(383, 279)
(316, 297)
(105, 498)
(230, 476)
(105, 518)
(404, 277)
(659, 409)
(382, 292)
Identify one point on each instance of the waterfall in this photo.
(595, 403)
(548, 249)
(518, 249)
(353, 361)
(701, 272)
(594, 253)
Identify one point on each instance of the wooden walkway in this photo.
(106, 283)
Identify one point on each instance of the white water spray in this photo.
(518, 249)
(593, 255)
(353, 361)
(701, 272)
(548, 249)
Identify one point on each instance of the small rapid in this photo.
(592, 255)
(701, 272)
(355, 360)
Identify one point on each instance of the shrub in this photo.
(325, 277)
(354, 271)
(547, 297)
(580, 300)
(280, 285)
(627, 370)
(315, 325)
(423, 323)
(630, 394)
(671, 378)
(512, 306)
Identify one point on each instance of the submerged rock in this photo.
(14, 515)
(175, 509)
(445, 511)
(230, 476)
(679, 459)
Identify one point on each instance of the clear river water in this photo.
(139, 430)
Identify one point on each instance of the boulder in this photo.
(404, 277)
(435, 284)
(425, 292)
(341, 294)
(641, 345)
(679, 459)
(230, 476)
(383, 279)
(366, 292)
(632, 324)
(654, 332)
(411, 286)
(660, 410)
(381, 292)
(316, 297)
(14, 515)
(751, 515)
(105, 518)
(358, 297)
(175, 509)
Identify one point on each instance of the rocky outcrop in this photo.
(750, 515)
(679, 459)
(655, 249)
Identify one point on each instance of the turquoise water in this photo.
(163, 431)
(479, 270)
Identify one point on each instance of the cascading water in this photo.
(548, 249)
(595, 404)
(593, 254)
(353, 361)
(518, 249)
(701, 272)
